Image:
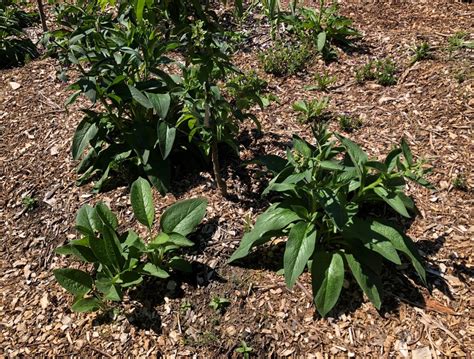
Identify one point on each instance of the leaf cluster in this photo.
(311, 110)
(15, 47)
(327, 200)
(122, 260)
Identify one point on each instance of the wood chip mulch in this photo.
(430, 106)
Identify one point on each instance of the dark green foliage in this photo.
(348, 123)
(149, 114)
(123, 260)
(15, 47)
(421, 52)
(323, 82)
(324, 201)
(312, 110)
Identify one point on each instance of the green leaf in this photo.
(155, 271)
(166, 136)
(78, 248)
(393, 200)
(142, 202)
(321, 41)
(140, 5)
(180, 264)
(86, 305)
(85, 132)
(130, 279)
(180, 240)
(373, 236)
(406, 151)
(357, 155)
(401, 243)
(138, 96)
(391, 159)
(85, 222)
(367, 279)
(274, 219)
(333, 207)
(106, 215)
(160, 102)
(74, 281)
(327, 273)
(108, 249)
(183, 216)
(299, 249)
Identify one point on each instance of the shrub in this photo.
(312, 110)
(381, 70)
(348, 123)
(15, 47)
(282, 60)
(324, 200)
(323, 82)
(122, 260)
(421, 52)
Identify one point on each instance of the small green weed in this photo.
(30, 203)
(421, 52)
(244, 349)
(458, 41)
(311, 110)
(383, 71)
(323, 82)
(282, 60)
(459, 182)
(348, 123)
(219, 304)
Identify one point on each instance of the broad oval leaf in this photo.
(155, 271)
(142, 202)
(85, 132)
(85, 220)
(160, 102)
(327, 271)
(105, 215)
(108, 249)
(367, 279)
(183, 216)
(273, 220)
(321, 41)
(299, 249)
(83, 305)
(393, 200)
(74, 281)
(166, 136)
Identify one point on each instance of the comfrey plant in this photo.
(324, 200)
(123, 260)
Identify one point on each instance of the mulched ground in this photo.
(429, 106)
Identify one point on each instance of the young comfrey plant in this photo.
(123, 260)
(324, 196)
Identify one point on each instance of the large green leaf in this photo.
(401, 243)
(85, 220)
(373, 236)
(183, 216)
(160, 102)
(357, 155)
(142, 202)
(108, 249)
(155, 271)
(105, 215)
(166, 136)
(274, 219)
(86, 305)
(139, 7)
(327, 271)
(138, 96)
(85, 132)
(321, 41)
(299, 249)
(74, 281)
(393, 200)
(78, 248)
(367, 279)
(333, 207)
(406, 151)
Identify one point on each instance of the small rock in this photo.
(14, 85)
(421, 353)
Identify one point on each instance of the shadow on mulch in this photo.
(152, 293)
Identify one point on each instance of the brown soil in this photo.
(430, 106)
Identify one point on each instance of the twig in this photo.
(100, 351)
(47, 113)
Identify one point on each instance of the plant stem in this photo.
(42, 15)
(214, 150)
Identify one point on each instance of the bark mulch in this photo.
(432, 105)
